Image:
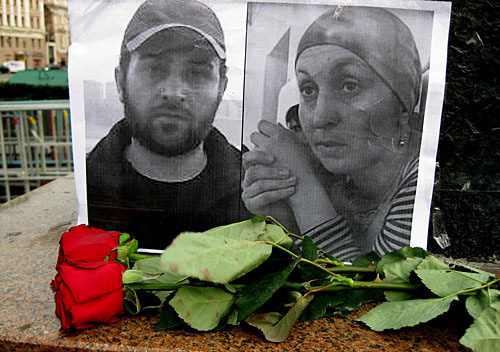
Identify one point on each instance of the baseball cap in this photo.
(154, 16)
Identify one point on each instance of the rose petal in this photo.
(87, 244)
(105, 309)
(91, 283)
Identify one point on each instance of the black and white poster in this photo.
(188, 115)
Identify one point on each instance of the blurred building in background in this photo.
(57, 27)
(34, 32)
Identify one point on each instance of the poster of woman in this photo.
(360, 86)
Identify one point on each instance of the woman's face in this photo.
(346, 111)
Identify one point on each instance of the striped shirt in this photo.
(334, 235)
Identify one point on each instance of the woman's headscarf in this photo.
(379, 38)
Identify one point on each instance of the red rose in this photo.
(84, 244)
(87, 295)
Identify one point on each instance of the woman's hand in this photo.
(264, 186)
(284, 168)
(289, 153)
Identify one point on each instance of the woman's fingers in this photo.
(267, 128)
(262, 200)
(265, 185)
(261, 172)
(256, 157)
(259, 140)
(262, 186)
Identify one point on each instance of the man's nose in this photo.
(173, 87)
(327, 112)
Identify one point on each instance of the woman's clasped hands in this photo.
(278, 170)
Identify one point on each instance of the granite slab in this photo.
(30, 229)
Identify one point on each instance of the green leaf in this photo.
(258, 292)
(122, 254)
(334, 261)
(131, 246)
(202, 307)
(433, 263)
(135, 276)
(399, 255)
(397, 295)
(482, 299)
(152, 265)
(230, 288)
(400, 271)
(276, 329)
(309, 249)
(479, 271)
(131, 301)
(137, 256)
(274, 233)
(218, 259)
(484, 333)
(367, 259)
(398, 314)
(354, 299)
(243, 231)
(447, 282)
(291, 297)
(259, 218)
(232, 319)
(168, 318)
(318, 306)
(148, 300)
(124, 237)
(162, 295)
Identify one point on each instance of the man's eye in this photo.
(155, 68)
(198, 70)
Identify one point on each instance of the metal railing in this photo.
(35, 145)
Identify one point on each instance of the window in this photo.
(39, 43)
(22, 21)
(15, 20)
(32, 43)
(31, 20)
(17, 42)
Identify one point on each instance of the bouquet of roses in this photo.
(247, 272)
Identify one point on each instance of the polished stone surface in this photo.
(30, 229)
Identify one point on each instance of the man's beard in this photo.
(144, 136)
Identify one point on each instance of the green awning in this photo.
(41, 78)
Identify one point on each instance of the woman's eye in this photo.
(349, 87)
(308, 91)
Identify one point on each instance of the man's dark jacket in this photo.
(119, 198)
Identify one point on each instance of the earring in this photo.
(402, 139)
